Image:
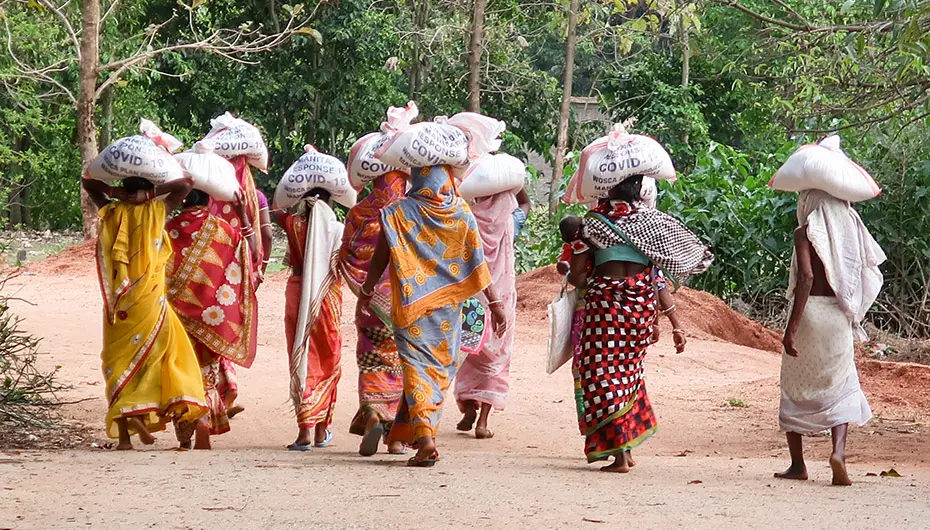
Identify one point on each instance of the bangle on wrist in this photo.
(679, 331)
(495, 302)
(668, 310)
(368, 294)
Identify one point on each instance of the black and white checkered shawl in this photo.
(664, 240)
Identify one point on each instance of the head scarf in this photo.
(849, 254)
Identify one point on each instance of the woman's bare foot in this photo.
(840, 475)
(795, 472)
(397, 448)
(468, 420)
(232, 411)
(203, 436)
(144, 435)
(319, 435)
(184, 446)
(620, 465)
(629, 459)
(371, 440)
(125, 442)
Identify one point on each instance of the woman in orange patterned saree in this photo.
(430, 245)
(313, 236)
(210, 287)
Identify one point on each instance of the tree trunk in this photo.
(87, 100)
(558, 166)
(685, 60)
(420, 12)
(106, 123)
(474, 56)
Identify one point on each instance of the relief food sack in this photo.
(483, 132)
(825, 167)
(212, 174)
(314, 170)
(490, 175)
(143, 156)
(363, 166)
(424, 144)
(612, 159)
(234, 137)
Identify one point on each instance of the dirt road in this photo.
(710, 465)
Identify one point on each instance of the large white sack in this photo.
(489, 175)
(610, 160)
(234, 137)
(314, 170)
(483, 132)
(212, 174)
(825, 167)
(145, 156)
(363, 166)
(423, 145)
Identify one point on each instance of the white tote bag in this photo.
(561, 313)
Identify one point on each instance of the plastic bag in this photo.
(561, 312)
(314, 170)
(234, 137)
(612, 159)
(649, 192)
(483, 132)
(211, 173)
(424, 144)
(363, 166)
(144, 156)
(825, 167)
(491, 174)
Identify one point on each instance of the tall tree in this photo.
(558, 166)
(178, 32)
(474, 55)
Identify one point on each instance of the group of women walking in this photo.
(180, 308)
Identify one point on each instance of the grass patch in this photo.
(736, 403)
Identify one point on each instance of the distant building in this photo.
(584, 110)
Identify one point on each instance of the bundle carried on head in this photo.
(825, 167)
(611, 159)
(314, 170)
(424, 144)
(210, 172)
(234, 137)
(489, 175)
(146, 155)
(363, 165)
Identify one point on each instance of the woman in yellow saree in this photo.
(151, 371)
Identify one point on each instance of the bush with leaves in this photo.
(27, 393)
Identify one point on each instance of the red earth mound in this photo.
(901, 384)
(702, 314)
(77, 259)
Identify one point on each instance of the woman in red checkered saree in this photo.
(626, 243)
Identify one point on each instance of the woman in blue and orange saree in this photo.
(615, 253)
(431, 247)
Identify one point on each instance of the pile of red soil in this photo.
(702, 314)
(80, 258)
(901, 384)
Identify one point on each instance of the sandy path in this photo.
(531, 474)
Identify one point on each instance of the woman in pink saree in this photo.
(483, 380)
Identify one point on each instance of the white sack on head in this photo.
(212, 174)
(825, 167)
(234, 137)
(489, 175)
(610, 160)
(144, 156)
(314, 170)
(483, 131)
(424, 144)
(363, 166)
